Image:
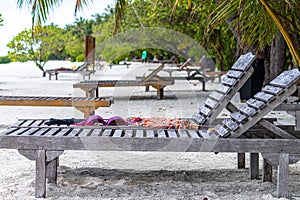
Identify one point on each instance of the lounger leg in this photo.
(40, 180)
(51, 171)
(160, 93)
(203, 86)
(297, 115)
(241, 160)
(147, 88)
(266, 171)
(254, 166)
(87, 110)
(282, 176)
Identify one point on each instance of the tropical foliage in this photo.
(256, 22)
(223, 27)
(36, 45)
(4, 59)
(1, 20)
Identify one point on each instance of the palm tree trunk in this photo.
(277, 55)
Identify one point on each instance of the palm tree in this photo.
(40, 9)
(256, 22)
(257, 19)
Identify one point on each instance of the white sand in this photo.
(124, 175)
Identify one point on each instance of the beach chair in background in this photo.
(91, 86)
(244, 131)
(122, 63)
(83, 104)
(203, 71)
(207, 69)
(81, 69)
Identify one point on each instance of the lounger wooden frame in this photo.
(83, 104)
(82, 69)
(239, 133)
(91, 87)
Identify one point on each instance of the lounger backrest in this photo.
(154, 72)
(83, 66)
(256, 108)
(207, 64)
(185, 64)
(234, 79)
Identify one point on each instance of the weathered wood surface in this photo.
(282, 176)
(254, 166)
(273, 158)
(83, 104)
(263, 102)
(232, 81)
(40, 178)
(162, 141)
(31, 154)
(91, 87)
(82, 69)
(54, 101)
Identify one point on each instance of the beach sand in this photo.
(125, 175)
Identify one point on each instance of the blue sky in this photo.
(16, 20)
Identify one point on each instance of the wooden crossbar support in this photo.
(83, 104)
(91, 87)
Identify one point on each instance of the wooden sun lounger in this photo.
(91, 87)
(82, 69)
(83, 104)
(124, 63)
(231, 83)
(239, 133)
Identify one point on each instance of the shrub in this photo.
(80, 58)
(4, 59)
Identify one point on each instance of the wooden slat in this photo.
(40, 132)
(96, 132)
(211, 103)
(205, 110)
(222, 131)
(247, 110)
(150, 133)
(286, 78)
(228, 81)
(85, 132)
(51, 131)
(18, 131)
(234, 74)
(238, 117)
(161, 133)
(199, 118)
(193, 134)
(139, 133)
(229, 123)
(74, 132)
(243, 62)
(107, 132)
(30, 131)
(183, 133)
(172, 133)
(254, 103)
(216, 96)
(272, 90)
(128, 133)
(62, 132)
(264, 97)
(223, 89)
(117, 133)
